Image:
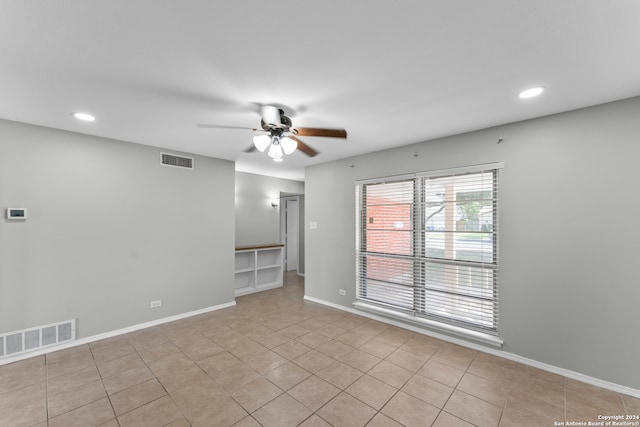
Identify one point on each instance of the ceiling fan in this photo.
(281, 137)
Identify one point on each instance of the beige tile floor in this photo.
(277, 360)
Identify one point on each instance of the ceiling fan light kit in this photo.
(275, 150)
(282, 137)
(276, 143)
(288, 145)
(261, 142)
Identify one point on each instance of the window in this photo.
(427, 246)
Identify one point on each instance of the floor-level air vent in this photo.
(177, 161)
(15, 343)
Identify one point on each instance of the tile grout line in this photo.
(158, 379)
(103, 386)
(154, 377)
(564, 394)
(377, 411)
(46, 389)
(466, 370)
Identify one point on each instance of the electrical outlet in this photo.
(343, 292)
(155, 304)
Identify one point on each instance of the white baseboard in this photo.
(115, 333)
(500, 353)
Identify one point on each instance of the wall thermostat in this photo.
(16, 213)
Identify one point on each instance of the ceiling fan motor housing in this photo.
(286, 121)
(270, 116)
(274, 118)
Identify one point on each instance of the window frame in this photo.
(417, 312)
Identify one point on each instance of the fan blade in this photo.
(250, 149)
(205, 126)
(331, 133)
(304, 147)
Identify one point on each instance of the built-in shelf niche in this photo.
(258, 268)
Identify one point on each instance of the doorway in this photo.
(292, 224)
(291, 218)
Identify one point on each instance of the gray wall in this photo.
(256, 221)
(569, 232)
(109, 230)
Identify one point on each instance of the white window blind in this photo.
(427, 246)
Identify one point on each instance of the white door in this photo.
(291, 243)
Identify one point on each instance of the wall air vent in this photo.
(177, 161)
(26, 340)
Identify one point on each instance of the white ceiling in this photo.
(391, 73)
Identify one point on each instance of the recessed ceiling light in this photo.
(84, 116)
(279, 159)
(530, 93)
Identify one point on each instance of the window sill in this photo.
(432, 325)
